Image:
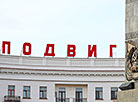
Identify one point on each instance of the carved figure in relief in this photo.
(132, 60)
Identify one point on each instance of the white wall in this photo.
(34, 90)
(106, 91)
(89, 90)
(36, 72)
(71, 89)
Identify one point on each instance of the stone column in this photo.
(129, 89)
(131, 40)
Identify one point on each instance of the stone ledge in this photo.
(131, 35)
(130, 1)
(127, 96)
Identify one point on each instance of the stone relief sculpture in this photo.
(131, 60)
(131, 37)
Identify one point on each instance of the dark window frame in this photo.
(27, 92)
(11, 91)
(44, 92)
(114, 91)
(99, 93)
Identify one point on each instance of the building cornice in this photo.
(69, 70)
(59, 73)
(9, 79)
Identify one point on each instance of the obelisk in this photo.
(131, 32)
(129, 89)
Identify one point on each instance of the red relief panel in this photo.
(4, 43)
(111, 49)
(25, 45)
(47, 50)
(71, 50)
(92, 50)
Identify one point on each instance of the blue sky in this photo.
(62, 22)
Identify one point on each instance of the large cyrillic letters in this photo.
(8, 43)
(111, 50)
(91, 51)
(71, 50)
(25, 45)
(47, 50)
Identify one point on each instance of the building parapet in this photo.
(57, 61)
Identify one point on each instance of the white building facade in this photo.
(42, 79)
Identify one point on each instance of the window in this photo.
(114, 93)
(79, 95)
(99, 93)
(26, 92)
(43, 92)
(62, 95)
(11, 90)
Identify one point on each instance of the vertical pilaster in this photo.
(131, 31)
(90, 93)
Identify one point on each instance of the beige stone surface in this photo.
(128, 96)
(136, 84)
(131, 20)
(131, 31)
(131, 36)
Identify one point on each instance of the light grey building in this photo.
(40, 79)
